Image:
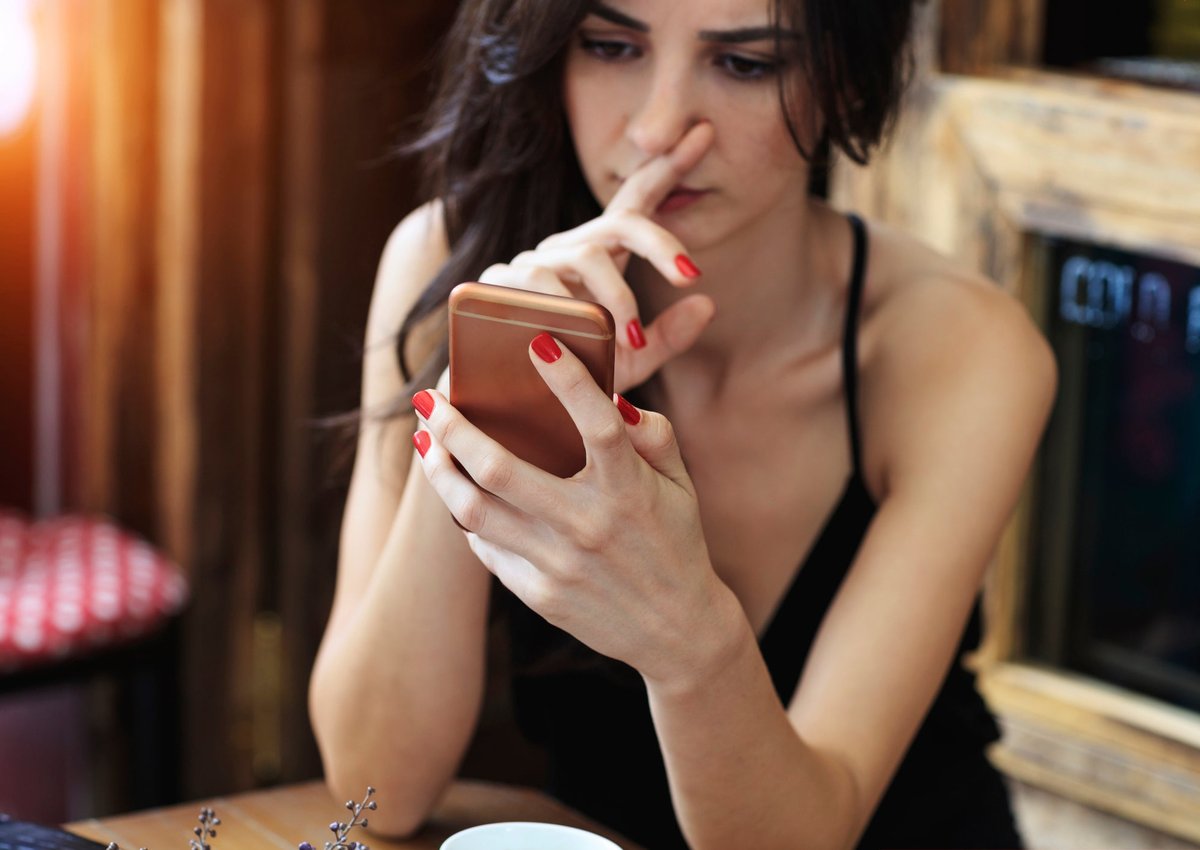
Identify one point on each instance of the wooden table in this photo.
(280, 818)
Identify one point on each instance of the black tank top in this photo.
(592, 714)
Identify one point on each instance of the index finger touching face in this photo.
(649, 185)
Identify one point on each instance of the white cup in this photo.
(526, 836)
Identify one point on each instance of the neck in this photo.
(779, 291)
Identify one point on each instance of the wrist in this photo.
(716, 645)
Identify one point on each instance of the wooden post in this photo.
(119, 467)
(354, 73)
(978, 35)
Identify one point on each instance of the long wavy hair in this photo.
(496, 150)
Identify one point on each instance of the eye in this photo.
(744, 68)
(609, 50)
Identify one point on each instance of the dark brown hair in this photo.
(496, 148)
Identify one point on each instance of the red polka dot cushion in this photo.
(72, 585)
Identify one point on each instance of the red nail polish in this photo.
(423, 402)
(634, 330)
(686, 267)
(421, 442)
(546, 348)
(628, 412)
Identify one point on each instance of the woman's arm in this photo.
(961, 412)
(397, 685)
(395, 691)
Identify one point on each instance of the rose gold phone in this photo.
(497, 388)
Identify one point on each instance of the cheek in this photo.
(764, 143)
(761, 145)
(586, 123)
(579, 118)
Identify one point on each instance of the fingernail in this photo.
(546, 348)
(628, 412)
(636, 338)
(423, 402)
(686, 267)
(421, 442)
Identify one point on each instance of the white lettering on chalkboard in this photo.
(1193, 324)
(1108, 289)
(1154, 307)
(1100, 294)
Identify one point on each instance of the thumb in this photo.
(653, 438)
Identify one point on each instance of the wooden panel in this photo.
(17, 170)
(299, 574)
(355, 74)
(219, 308)
(81, 51)
(118, 471)
(977, 162)
(181, 73)
(979, 35)
(231, 332)
(1128, 755)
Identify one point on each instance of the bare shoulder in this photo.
(950, 353)
(415, 251)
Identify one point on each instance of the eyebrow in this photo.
(735, 36)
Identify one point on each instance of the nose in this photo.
(663, 116)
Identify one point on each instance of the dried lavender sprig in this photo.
(340, 830)
(112, 845)
(208, 819)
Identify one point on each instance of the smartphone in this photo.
(494, 384)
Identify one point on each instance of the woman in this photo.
(741, 625)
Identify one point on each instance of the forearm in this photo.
(396, 688)
(740, 774)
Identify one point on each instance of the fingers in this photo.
(653, 438)
(591, 265)
(531, 278)
(493, 469)
(516, 573)
(475, 510)
(598, 422)
(674, 331)
(630, 232)
(649, 185)
(626, 227)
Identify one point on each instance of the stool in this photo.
(81, 599)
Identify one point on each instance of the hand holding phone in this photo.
(494, 384)
(590, 261)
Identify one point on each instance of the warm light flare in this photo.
(18, 63)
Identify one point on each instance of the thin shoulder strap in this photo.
(850, 337)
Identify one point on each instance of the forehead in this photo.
(700, 14)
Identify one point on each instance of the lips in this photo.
(680, 198)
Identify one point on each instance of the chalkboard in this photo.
(1126, 436)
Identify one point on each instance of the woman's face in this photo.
(640, 73)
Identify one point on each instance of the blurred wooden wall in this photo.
(233, 195)
(18, 151)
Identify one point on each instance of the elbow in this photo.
(393, 819)
(402, 807)
(318, 711)
(849, 802)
